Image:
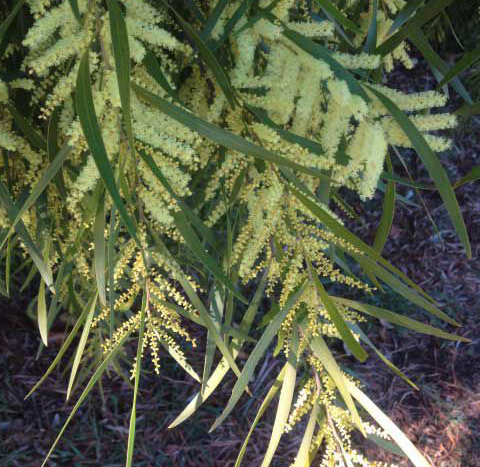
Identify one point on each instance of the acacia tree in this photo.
(160, 158)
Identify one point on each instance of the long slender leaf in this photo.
(222, 368)
(302, 458)
(417, 37)
(99, 249)
(388, 212)
(256, 355)
(93, 135)
(198, 250)
(336, 317)
(465, 62)
(138, 364)
(34, 138)
(266, 402)
(219, 135)
(330, 8)
(285, 400)
(121, 53)
(82, 342)
(400, 320)
(209, 58)
(433, 166)
(42, 313)
(430, 10)
(8, 21)
(42, 267)
(386, 423)
(472, 176)
(93, 380)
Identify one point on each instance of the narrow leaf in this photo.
(266, 402)
(138, 364)
(42, 313)
(400, 320)
(93, 135)
(219, 135)
(336, 317)
(384, 421)
(256, 355)
(82, 342)
(93, 380)
(285, 400)
(433, 166)
(388, 212)
(223, 367)
(99, 249)
(465, 62)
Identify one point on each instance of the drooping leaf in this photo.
(93, 380)
(431, 162)
(256, 355)
(93, 135)
(82, 342)
(219, 135)
(138, 364)
(99, 249)
(285, 400)
(386, 423)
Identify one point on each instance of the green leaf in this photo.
(213, 19)
(198, 250)
(209, 58)
(400, 320)
(403, 290)
(433, 166)
(382, 357)
(155, 71)
(197, 303)
(45, 179)
(388, 212)
(285, 400)
(472, 176)
(82, 342)
(121, 53)
(384, 444)
(96, 376)
(219, 135)
(222, 368)
(42, 267)
(336, 317)
(322, 352)
(405, 181)
(42, 313)
(52, 149)
(266, 402)
(384, 421)
(256, 355)
(407, 11)
(468, 109)
(342, 232)
(75, 10)
(328, 7)
(189, 213)
(138, 364)
(430, 10)
(99, 249)
(35, 139)
(302, 459)
(371, 41)
(9, 19)
(93, 135)
(61, 352)
(435, 61)
(465, 62)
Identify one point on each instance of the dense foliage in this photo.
(163, 161)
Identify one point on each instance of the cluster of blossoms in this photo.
(285, 98)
